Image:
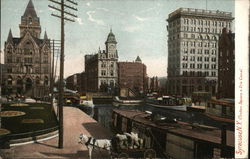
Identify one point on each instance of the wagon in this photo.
(134, 153)
(125, 152)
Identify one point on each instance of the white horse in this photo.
(92, 143)
(135, 140)
(128, 140)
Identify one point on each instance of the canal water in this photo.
(103, 114)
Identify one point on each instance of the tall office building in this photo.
(193, 36)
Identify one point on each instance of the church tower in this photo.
(30, 22)
(111, 46)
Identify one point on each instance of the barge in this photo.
(167, 102)
(175, 139)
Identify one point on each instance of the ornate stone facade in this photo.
(27, 58)
(193, 49)
(101, 68)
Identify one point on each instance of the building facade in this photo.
(133, 75)
(101, 68)
(77, 82)
(226, 65)
(193, 36)
(27, 58)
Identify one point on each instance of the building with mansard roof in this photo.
(27, 58)
(101, 68)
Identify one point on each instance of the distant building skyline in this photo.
(140, 27)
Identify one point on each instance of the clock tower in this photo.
(111, 46)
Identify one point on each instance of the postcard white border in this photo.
(241, 78)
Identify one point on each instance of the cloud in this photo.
(104, 9)
(40, 11)
(132, 28)
(97, 21)
(79, 20)
(140, 18)
(88, 4)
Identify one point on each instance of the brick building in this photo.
(133, 75)
(77, 82)
(226, 66)
(27, 58)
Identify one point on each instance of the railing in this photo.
(6, 138)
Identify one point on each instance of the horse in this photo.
(92, 143)
(128, 140)
(134, 140)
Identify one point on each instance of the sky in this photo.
(139, 27)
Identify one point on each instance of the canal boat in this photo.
(166, 102)
(86, 101)
(171, 138)
(127, 101)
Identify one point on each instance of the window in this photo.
(213, 73)
(37, 70)
(45, 60)
(30, 20)
(112, 64)
(46, 70)
(9, 70)
(103, 64)
(9, 59)
(111, 73)
(28, 60)
(206, 52)
(18, 59)
(103, 72)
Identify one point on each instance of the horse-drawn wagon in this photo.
(126, 145)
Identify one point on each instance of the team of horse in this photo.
(122, 141)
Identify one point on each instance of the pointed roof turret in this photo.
(111, 38)
(99, 51)
(10, 37)
(45, 36)
(30, 10)
(138, 59)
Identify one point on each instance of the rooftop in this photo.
(200, 13)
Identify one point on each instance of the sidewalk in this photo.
(75, 122)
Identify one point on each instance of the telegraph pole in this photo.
(55, 44)
(63, 11)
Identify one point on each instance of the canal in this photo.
(103, 114)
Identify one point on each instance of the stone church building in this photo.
(27, 58)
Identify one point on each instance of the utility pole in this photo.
(63, 11)
(55, 44)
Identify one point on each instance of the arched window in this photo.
(10, 79)
(30, 20)
(28, 48)
(46, 81)
(37, 81)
